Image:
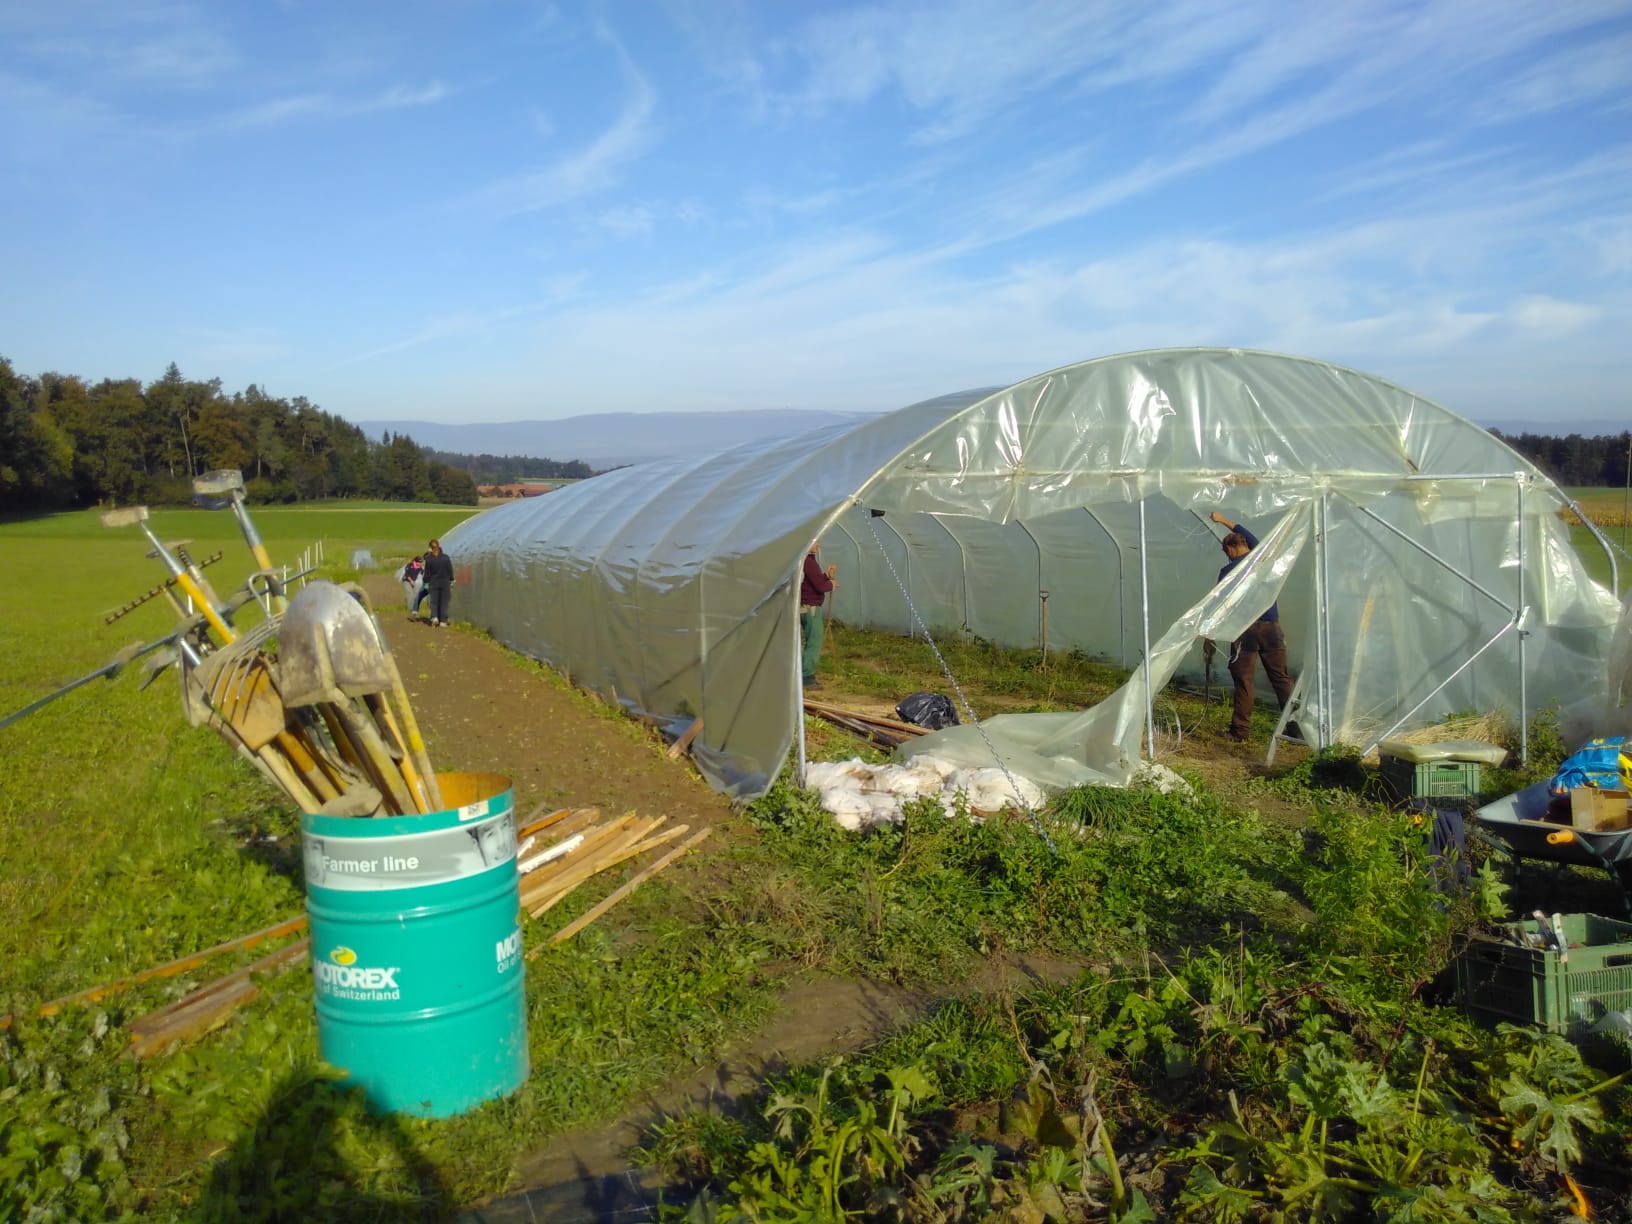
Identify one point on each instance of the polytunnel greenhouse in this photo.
(1422, 566)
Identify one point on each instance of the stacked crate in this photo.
(1511, 979)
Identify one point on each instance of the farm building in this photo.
(1420, 564)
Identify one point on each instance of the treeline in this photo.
(512, 469)
(1573, 459)
(65, 442)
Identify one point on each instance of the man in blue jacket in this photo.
(1263, 639)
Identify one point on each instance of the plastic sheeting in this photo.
(1420, 564)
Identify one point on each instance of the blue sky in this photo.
(492, 211)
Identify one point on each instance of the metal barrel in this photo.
(416, 949)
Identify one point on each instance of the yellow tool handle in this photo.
(185, 581)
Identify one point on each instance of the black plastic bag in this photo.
(932, 710)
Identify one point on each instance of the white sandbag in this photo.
(1161, 779)
(824, 775)
(990, 789)
(942, 767)
(847, 805)
(885, 779)
(886, 808)
(924, 777)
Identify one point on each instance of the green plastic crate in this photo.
(1429, 779)
(1497, 980)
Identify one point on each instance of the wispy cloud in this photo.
(211, 348)
(1594, 72)
(316, 107)
(586, 170)
(443, 329)
(168, 46)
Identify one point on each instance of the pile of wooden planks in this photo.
(885, 732)
(558, 853)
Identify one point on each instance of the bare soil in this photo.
(483, 708)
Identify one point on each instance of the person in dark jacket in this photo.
(412, 573)
(1263, 639)
(813, 589)
(439, 582)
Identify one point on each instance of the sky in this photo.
(495, 210)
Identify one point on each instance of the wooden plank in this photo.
(890, 724)
(679, 747)
(593, 842)
(873, 734)
(580, 866)
(548, 900)
(536, 822)
(572, 928)
(169, 969)
(574, 821)
(186, 1015)
(199, 1016)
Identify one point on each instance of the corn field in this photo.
(1606, 509)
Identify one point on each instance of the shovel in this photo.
(243, 694)
(415, 746)
(329, 652)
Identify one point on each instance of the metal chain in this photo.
(918, 621)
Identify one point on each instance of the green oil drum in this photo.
(416, 949)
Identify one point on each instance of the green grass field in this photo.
(108, 786)
(128, 838)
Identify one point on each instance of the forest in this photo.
(66, 442)
(509, 469)
(1574, 460)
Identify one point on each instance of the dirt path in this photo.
(482, 708)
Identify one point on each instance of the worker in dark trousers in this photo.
(1263, 639)
(439, 582)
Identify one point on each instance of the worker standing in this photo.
(439, 582)
(1262, 639)
(813, 590)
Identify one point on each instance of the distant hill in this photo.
(613, 438)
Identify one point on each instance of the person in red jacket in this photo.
(813, 589)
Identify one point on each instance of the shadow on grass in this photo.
(302, 1162)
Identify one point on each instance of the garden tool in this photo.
(162, 589)
(242, 693)
(330, 652)
(195, 585)
(125, 656)
(415, 746)
(155, 667)
(225, 487)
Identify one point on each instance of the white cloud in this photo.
(1590, 72)
(213, 349)
(166, 46)
(584, 171)
(626, 221)
(323, 106)
(1548, 316)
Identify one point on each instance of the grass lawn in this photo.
(128, 839)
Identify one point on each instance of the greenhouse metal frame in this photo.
(1404, 543)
